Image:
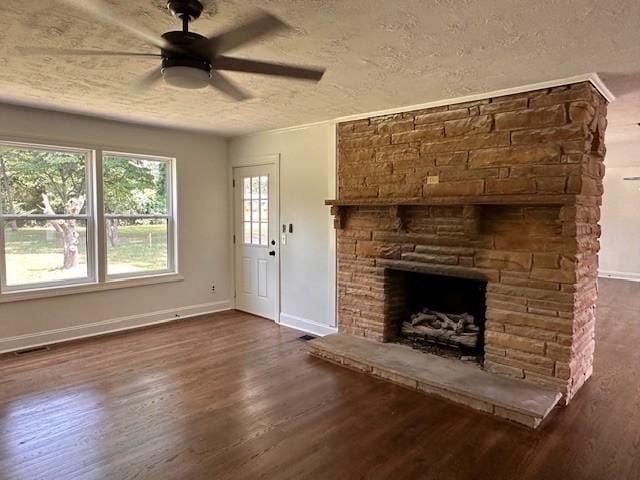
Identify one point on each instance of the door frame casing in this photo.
(255, 161)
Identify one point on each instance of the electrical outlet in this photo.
(433, 180)
(213, 288)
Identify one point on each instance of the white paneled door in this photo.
(256, 239)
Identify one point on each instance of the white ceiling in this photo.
(379, 54)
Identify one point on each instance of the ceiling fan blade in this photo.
(267, 68)
(148, 80)
(103, 11)
(261, 25)
(222, 83)
(81, 52)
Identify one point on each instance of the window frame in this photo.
(170, 217)
(97, 278)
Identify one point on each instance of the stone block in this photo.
(498, 157)
(418, 135)
(466, 143)
(510, 186)
(515, 342)
(582, 91)
(517, 417)
(531, 118)
(500, 369)
(470, 125)
(364, 142)
(500, 260)
(551, 185)
(439, 117)
(472, 187)
(549, 135)
(497, 106)
(395, 126)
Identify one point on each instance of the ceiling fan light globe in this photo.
(186, 77)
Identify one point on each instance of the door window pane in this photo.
(255, 214)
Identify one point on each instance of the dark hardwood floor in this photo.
(234, 396)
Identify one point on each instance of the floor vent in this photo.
(306, 338)
(29, 351)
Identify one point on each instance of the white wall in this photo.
(620, 242)
(307, 179)
(203, 233)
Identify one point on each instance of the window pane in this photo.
(255, 233)
(246, 214)
(135, 186)
(264, 234)
(137, 246)
(264, 210)
(247, 188)
(255, 212)
(36, 251)
(247, 233)
(41, 181)
(264, 187)
(255, 188)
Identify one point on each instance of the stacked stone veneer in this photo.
(517, 203)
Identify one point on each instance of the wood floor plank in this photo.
(232, 396)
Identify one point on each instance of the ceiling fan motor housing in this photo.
(190, 9)
(181, 68)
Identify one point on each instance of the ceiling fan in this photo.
(188, 59)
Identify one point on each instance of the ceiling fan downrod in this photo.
(185, 10)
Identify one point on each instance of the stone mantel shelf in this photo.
(548, 200)
(398, 206)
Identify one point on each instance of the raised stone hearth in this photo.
(456, 381)
(504, 190)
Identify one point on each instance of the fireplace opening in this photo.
(438, 314)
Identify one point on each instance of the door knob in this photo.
(272, 253)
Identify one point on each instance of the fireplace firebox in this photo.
(438, 314)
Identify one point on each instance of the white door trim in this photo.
(253, 161)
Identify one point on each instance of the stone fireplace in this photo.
(504, 192)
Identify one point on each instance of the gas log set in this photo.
(432, 328)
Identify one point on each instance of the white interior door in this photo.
(256, 240)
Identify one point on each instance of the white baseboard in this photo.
(112, 325)
(305, 325)
(633, 277)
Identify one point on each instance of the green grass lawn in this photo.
(35, 254)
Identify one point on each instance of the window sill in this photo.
(90, 287)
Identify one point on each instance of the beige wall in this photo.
(203, 233)
(307, 179)
(620, 252)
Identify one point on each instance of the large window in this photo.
(56, 231)
(137, 206)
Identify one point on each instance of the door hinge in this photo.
(235, 294)
(234, 239)
(233, 183)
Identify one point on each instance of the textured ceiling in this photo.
(379, 54)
